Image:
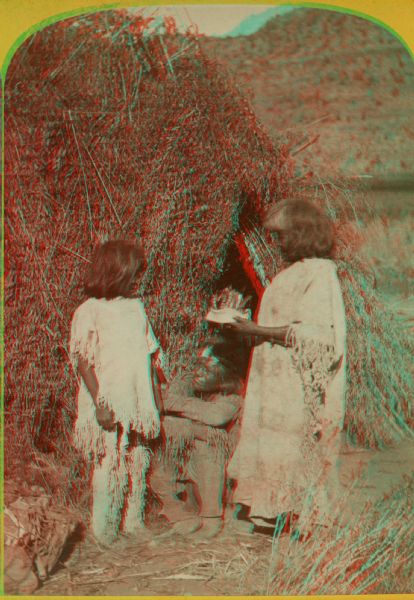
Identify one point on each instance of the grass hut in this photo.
(111, 131)
(114, 132)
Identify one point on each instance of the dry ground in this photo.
(235, 563)
(239, 563)
(232, 564)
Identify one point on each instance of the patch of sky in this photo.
(256, 21)
(213, 20)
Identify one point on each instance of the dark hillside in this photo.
(319, 73)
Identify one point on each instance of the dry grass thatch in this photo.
(372, 555)
(110, 132)
(35, 536)
(113, 133)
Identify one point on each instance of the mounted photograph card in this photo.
(208, 298)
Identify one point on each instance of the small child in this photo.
(111, 347)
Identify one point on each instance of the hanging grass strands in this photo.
(160, 150)
(167, 149)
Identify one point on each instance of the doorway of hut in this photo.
(229, 347)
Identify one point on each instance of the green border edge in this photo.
(18, 42)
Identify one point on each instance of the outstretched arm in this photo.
(275, 335)
(215, 413)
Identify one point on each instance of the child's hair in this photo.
(114, 268)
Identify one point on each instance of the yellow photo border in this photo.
(21, 18)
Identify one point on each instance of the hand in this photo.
(243, 326)
(105, 418)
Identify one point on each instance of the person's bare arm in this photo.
(87, 372)
(158, 379)
(176, 426)
(275, 335)
(104, 416)
(215, 413)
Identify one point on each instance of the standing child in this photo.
(111, 345)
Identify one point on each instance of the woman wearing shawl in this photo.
(289, 442)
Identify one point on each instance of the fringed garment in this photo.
(115, 337)
(294, 406)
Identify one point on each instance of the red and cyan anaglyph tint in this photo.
(119, 128)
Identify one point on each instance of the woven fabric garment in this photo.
(294, 405)
(115, 337)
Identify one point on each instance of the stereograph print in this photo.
(208, 303)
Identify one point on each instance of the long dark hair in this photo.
(114, 268)
(307, 232)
